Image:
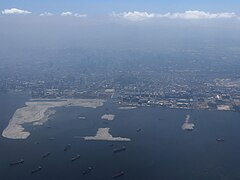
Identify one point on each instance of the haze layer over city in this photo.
(119, 90)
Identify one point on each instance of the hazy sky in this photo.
(118, 23)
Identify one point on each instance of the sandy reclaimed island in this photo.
(38, 111)
(104, 135)
(109, 117)
(187, 125)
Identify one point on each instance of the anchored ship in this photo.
(220, 140)
(17, 162)
(75, 158)
(67, 147)
(45, 155)
(37, 170)
(117, 175)
(51, 139)
(138, 130)
(87, 171)
(119, 149)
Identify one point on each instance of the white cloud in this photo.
(80, 15)
(15, 11)
(134, 16)
(202, 15)
(46, 14)
(67, 13)
(140, 16)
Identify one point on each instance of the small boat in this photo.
(138, 130)
(45, 155)
(67, 147)
(119, 149)
(21, 161)
(87, 171)
(51, 139)
(117, 175)
(81, 117)
(37, 170)
(220, 140)
(75, 158)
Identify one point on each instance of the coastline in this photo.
(38, 112)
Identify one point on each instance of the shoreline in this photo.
(38, 112)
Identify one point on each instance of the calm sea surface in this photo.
(162, 150)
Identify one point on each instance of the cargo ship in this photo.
(45, 155)
(220, 140)
(51, 139)
(119, 149)
(67, 147)
(87, 171)
(138, 130)
(81, 117)
(37, 170)
(21, 161)
(117, 175)
(75, 158)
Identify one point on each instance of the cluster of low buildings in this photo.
(218, 98)
(173, 89)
